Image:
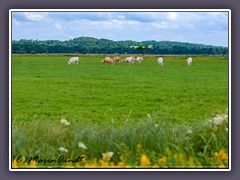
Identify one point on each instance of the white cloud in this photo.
(15, 22)
(165, 25)
(34, 16)
(58, 26)
(121, 17)
(104, 24)
(98, 25)
(172, 16)
(217, 13)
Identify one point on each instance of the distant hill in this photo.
(85, 45)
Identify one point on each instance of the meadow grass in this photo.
(141, 112)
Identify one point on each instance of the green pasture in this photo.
(49, 88)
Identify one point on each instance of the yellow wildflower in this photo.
(181, 160)
(221, 152)
(102, 163)
(162, 160)
(180, 156)
(69, 164)
(78, 165)
(14, 164)
(155, 166)
(120, 164)
(224, 156)
(33, 164)
(111, 164)
(145, 160)
(191, 162)
(216, 154)
(222, 166)
(90, 165)
(122, 158)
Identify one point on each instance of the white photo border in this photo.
(118, 10)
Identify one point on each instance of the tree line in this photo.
(90, 45)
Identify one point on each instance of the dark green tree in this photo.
(83, 45)
(142, 48)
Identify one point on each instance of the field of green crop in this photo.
(145, 114)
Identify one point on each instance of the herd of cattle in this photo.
(130, 60)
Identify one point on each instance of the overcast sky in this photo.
(195, 27)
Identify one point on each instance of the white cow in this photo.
(73, 60)
(160, 61)
(189, 61)
(139, 59)
(130, 60)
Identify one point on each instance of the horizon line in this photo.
(120, 40)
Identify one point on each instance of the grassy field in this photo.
(143, 112)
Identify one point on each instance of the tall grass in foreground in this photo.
(149, 143)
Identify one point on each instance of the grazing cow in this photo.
(189, 61)
(160, 61)
(130, 60)
(139, 59)
(73, 60)
(107, 60)
(116, 59)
